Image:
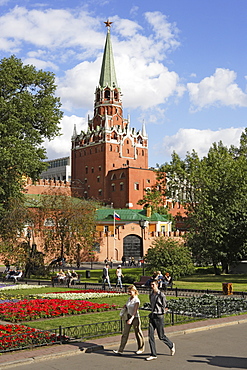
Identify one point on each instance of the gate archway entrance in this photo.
(132, 246)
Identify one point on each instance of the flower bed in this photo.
(20, 287)
(80, 294)
(208, 305)
(26, 310)
(19, 336)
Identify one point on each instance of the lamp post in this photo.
(29, 243)
(143, 224)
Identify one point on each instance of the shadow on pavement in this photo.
(223, 361)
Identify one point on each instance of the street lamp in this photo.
(143, 224)
(29, 239)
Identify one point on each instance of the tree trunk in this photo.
(216, 270)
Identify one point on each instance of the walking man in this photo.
(156, 321)
(106, 278)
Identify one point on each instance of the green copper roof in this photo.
(128, 215)
(108, 74)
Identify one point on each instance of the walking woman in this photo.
(133, 318)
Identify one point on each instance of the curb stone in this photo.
(99, 344)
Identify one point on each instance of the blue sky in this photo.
(181, 65)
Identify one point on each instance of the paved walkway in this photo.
(9, 360)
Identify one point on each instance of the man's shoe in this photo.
(140, 351)
(117, 352)
(150, 358)
(173, 350)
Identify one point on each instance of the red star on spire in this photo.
(108, 23)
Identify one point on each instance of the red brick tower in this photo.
(110, 160)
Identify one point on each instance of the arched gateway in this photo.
(132, 246)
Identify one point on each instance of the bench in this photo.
(143, 281)
(54, 280)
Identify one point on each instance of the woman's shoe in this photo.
(140, 351)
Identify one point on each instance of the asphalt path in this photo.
(218, 348)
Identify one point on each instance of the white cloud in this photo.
(76, 89)
(146, 85)
(164, 31)
(61, 35)
(50, 28)
(41, 64)
(218, 89)
(185, 140)
(61, 145)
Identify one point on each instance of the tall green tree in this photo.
(169, 255)
(29, 114)
(66, 226)
(213, 190)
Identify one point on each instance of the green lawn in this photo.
(197, 281)
(204, 282)
(213, 282)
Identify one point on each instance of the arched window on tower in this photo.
(121, 186)
(86, 169)
(110, 148)
(112, 187)
(107, 94)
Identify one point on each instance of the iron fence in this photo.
(39, 338)
(107, 328)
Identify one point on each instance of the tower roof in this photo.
(108, 73)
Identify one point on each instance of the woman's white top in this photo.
(131, 304)
(119, 272)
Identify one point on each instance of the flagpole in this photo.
(114, 233)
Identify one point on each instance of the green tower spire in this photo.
(108, 73)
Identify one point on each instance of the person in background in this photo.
(61, 276)
(105, 276)
(167, 278)
(133, 318)
(123, 261)
(156, 320)
(119, 276)
(160, 279)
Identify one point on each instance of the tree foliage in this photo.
(154, 198)
(29, 114)
(213, 191)
(66, 226)
(169, 255)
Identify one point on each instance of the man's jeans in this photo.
(157, 322)
(106, 280)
